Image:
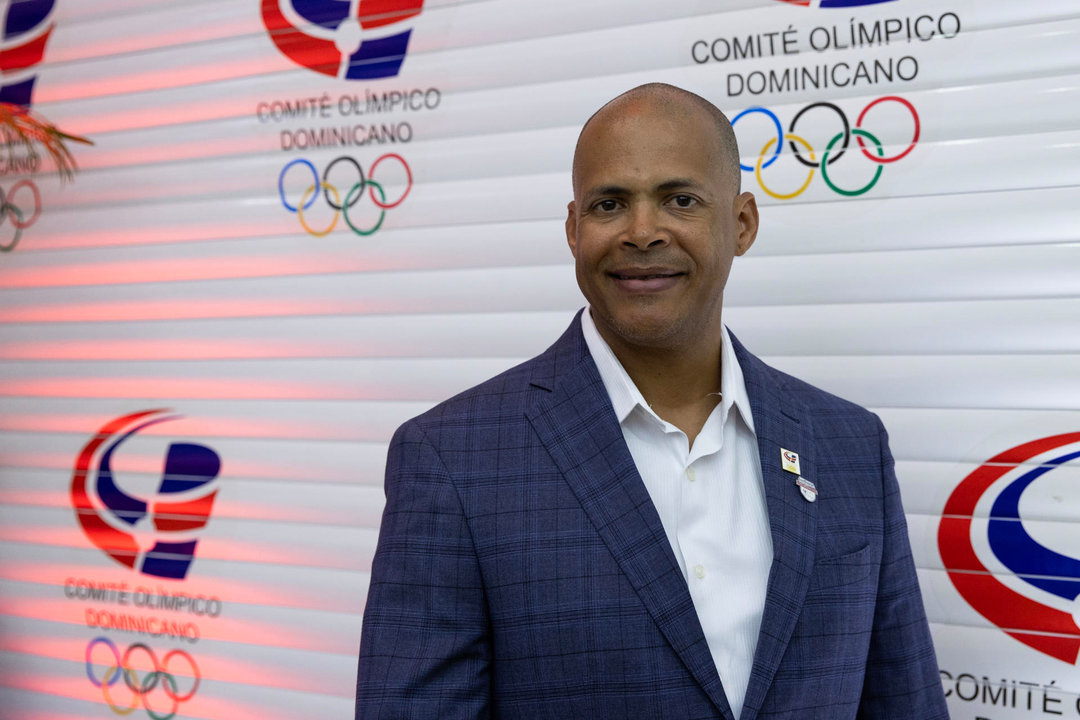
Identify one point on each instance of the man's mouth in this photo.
(649, 276)
(643, 273)
(645, 280)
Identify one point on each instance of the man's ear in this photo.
(746, 221)
(571, 227)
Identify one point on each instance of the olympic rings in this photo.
(408, 173)
(90, 668)
(914, 138)
(303, 204)
(176, 703)
(105, 691)
(326, 174)
(877, 173)
(835, 148)
(382, 208)
(779, 132)
(322, 186)
(792, 139)
(194, 673)
(281, 183)
(135, 687)
(140, 690)
(843, 119)
(7, 207)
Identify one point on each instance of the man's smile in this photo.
(645, 280)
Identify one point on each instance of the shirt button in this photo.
(699, 572)
(690, 474)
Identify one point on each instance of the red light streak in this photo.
(206, 427)
(149, 388)
(268, 634)
(163, 349)
(180, 269)
(240, 591)
(187, 309)
(269, 470)
(192, 73)
(210, 548)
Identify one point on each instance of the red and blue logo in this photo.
(835, 3)
(26, 28)
(348, 39)
(1011, 573)
(114, 519)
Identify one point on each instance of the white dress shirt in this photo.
(711, 501)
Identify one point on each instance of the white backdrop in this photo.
(172, 276)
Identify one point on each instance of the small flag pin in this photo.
(790, 461)
(807, 488)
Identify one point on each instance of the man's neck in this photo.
(681, 385)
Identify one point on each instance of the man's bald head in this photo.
(678, 102)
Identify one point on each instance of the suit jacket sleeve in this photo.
(902, 680)
(425, 647)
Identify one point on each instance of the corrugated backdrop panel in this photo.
(297, 229)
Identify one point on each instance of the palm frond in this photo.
(21, 126)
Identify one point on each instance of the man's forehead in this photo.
(655, 106)
(660, 111)
(640, 140)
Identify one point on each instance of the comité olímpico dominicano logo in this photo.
(348, 39)
(1005, 541)
(25, 26)
(145, 523)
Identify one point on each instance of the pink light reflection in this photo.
(176, 231)
(268, 428)
(212, 548)
(239, 591)
(247, 510)
(270, 470)
(166, 349)
(250, 632)
(218, 108)
(182, 269)
(181, 389)
(187, 309)
(176, 150)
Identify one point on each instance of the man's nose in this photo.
(645, 229)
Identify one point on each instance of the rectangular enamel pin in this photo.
(790, 461)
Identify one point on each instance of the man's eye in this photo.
(606, 205)
(683, 201)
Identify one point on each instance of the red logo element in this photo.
(1047, 629)
(25, 30)
(357, 40)
(108, 513)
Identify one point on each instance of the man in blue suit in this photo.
(646, 521)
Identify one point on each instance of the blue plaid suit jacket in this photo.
(522, 571)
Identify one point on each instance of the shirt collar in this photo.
(625, 395)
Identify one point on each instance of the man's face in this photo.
(654, 225)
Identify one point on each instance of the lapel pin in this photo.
(807, 488)
(790, 461)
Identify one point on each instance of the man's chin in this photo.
(654, 331)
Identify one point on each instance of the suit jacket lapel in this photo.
(578, 426)
(780, 422)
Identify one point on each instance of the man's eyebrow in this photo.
(617, 190)
(666, 186)
(676, 184)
